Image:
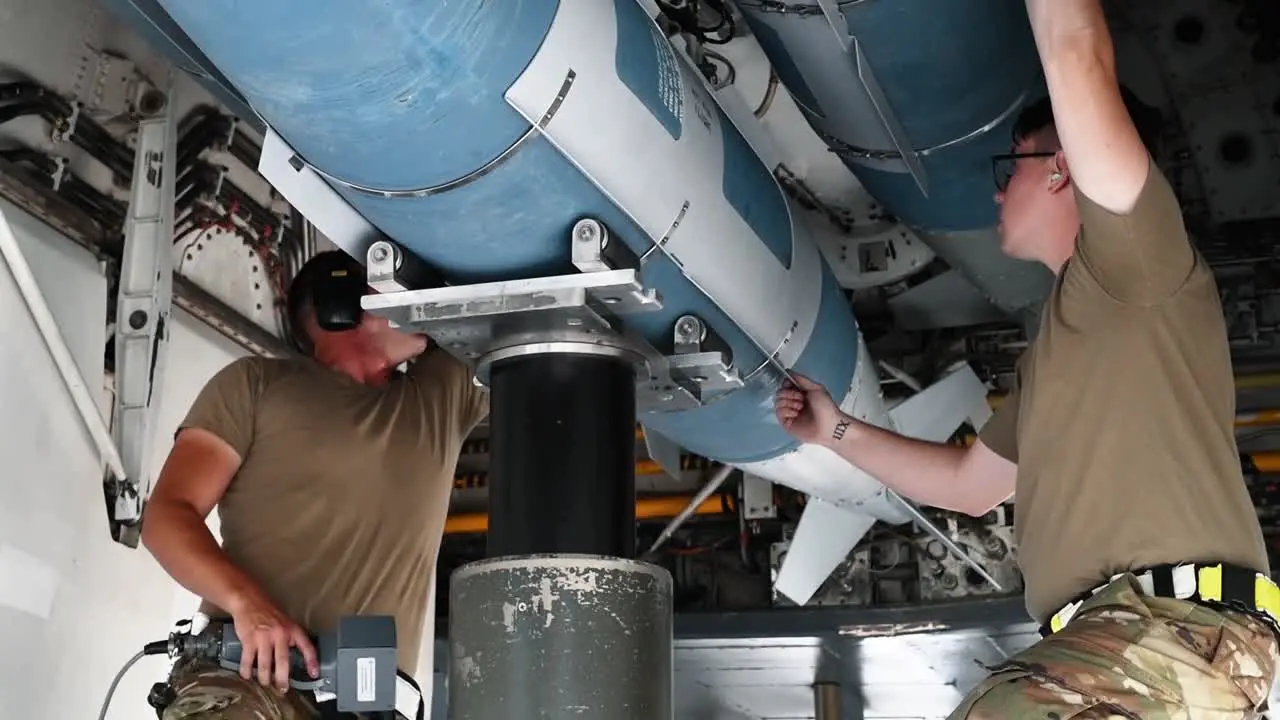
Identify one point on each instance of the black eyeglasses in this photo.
(1003, 166)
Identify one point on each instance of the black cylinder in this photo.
(562, 454)
(573, 636)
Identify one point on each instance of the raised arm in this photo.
(1107, 159)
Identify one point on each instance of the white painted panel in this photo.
(27, 583)
(824, 537)
(75, 605)
(68, 275)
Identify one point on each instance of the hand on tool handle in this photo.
(267, 639)
(806, 410)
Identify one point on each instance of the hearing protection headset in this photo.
(336, 300)
(331, 283)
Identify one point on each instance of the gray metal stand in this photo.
(560, 636)
(583, 633)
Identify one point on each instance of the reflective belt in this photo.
(1220, 585)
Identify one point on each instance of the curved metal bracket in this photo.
(464, 180)
(844, 149)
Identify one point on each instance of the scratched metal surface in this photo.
(920, 676)
(907, 662)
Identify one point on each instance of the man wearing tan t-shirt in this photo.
(1133, 517)
(331, 475)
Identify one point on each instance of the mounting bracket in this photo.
(142, 312)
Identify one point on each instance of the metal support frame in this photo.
(391, 269)
(142, 309)
(565, 378)
(575, 313)
(527, 338)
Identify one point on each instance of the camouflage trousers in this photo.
(1129, 656)
(207, 692)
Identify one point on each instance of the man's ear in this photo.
(1059, 173)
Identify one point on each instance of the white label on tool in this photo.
(366, 680)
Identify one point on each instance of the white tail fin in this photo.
(823, 539)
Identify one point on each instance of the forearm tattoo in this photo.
(841, 426)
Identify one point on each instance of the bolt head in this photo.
(688, 329)
(587, 231)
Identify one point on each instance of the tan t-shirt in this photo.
(1122, 421)
(341, 498)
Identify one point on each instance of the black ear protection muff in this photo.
(336, 300)
(330, 286)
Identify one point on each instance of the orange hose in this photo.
(1258, 418)
(1267, 462)
(648, 467)
(647, 508)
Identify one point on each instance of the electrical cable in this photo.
(731, 73)
(726, 23)
(686, 17)
(29, 98)
(203, 125)
(770, 91)
(195, 231)
(159, 647)
(71, 186)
